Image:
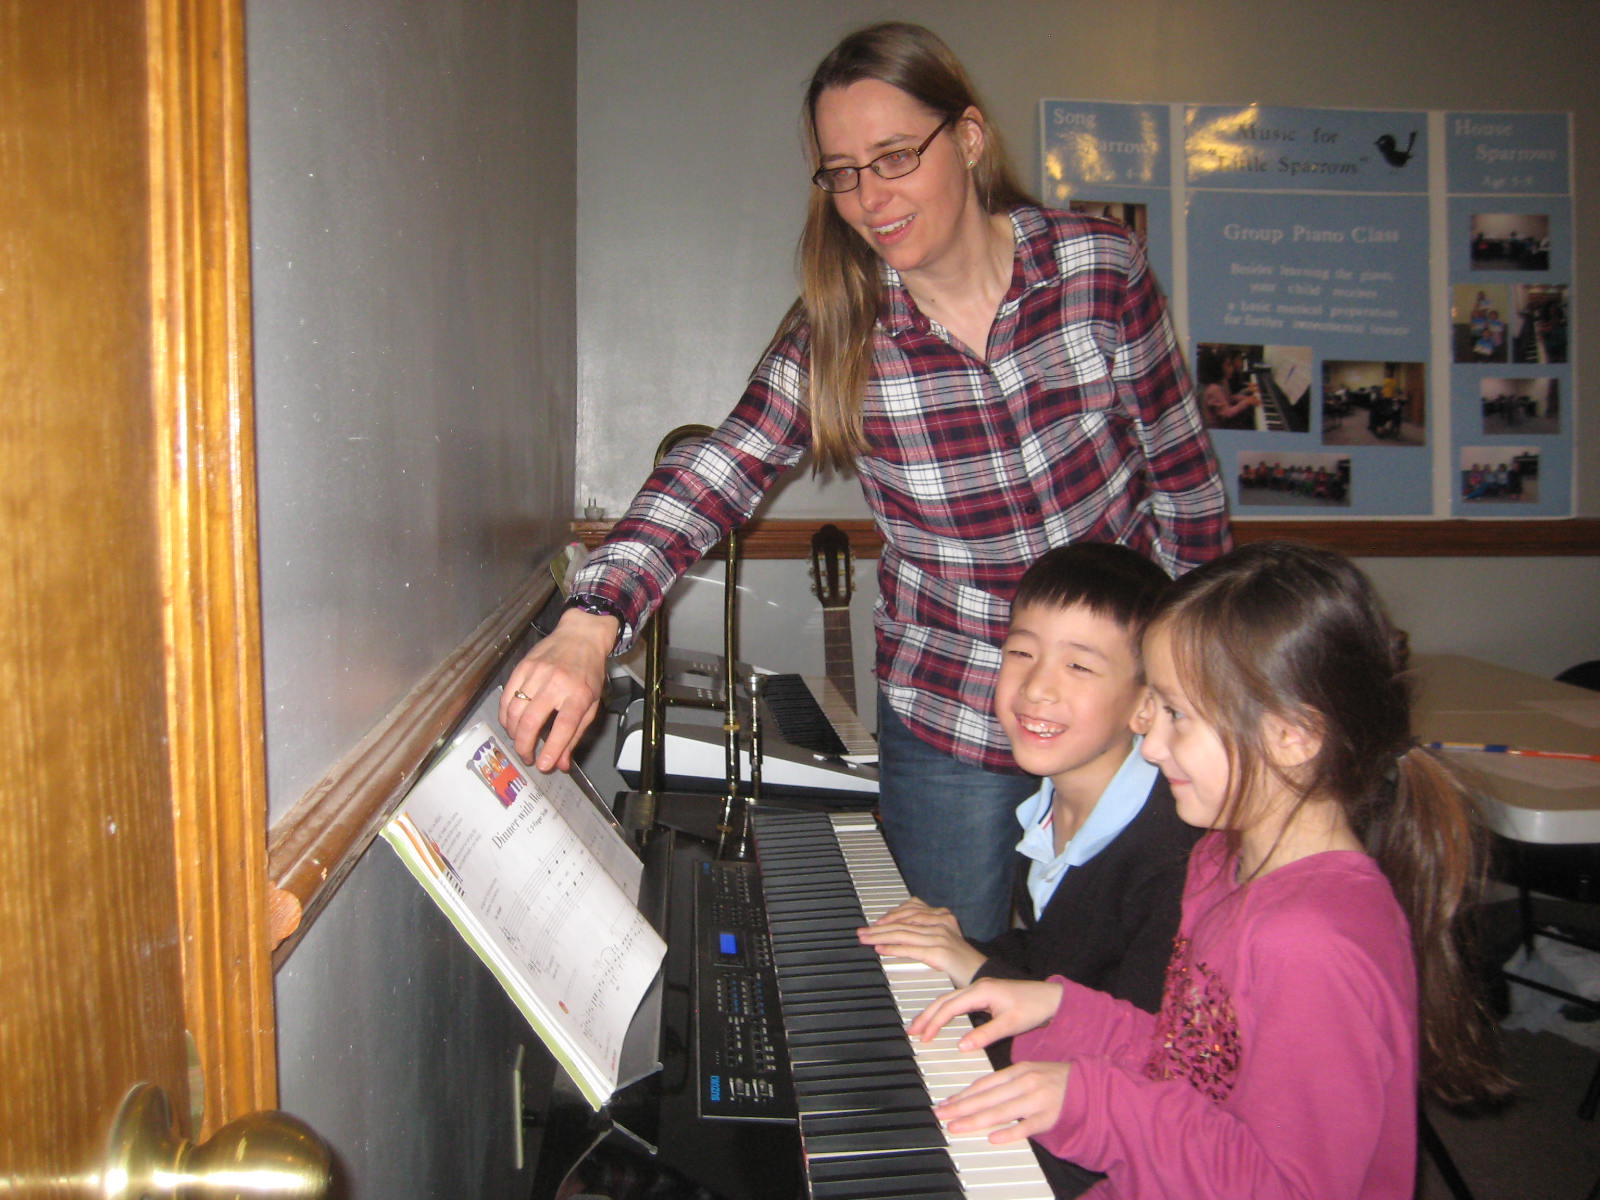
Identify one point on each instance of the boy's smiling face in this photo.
(1069, 689)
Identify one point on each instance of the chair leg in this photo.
(1591, 1098)
(1525, 910)
(1434, 1145)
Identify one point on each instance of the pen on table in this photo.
(1493, 748)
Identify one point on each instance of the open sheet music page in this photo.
(543, 888)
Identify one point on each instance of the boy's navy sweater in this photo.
(1109, 926)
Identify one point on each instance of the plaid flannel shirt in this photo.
(1080, 426)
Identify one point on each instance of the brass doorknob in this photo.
(268, 1155)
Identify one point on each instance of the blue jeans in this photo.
(951, 826)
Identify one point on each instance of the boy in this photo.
(1103, 853)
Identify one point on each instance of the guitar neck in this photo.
(840, 662)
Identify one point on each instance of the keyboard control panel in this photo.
(740, 1052)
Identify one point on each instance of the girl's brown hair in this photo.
(1299, 633)
(839, 290)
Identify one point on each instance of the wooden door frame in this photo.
(205, 425)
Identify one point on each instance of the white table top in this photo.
(1542, 800)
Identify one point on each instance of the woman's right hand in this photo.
(558, 684)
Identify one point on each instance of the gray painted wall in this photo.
(691, 187)
(412, 168)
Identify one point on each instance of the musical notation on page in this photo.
(543, 888)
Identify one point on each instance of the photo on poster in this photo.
(1520, 406)
(1510, 242)
(1135, 218)
(1256, 387)
(1478, 322)
(1500, 474)
(1374, 403)
(1541, 333)
(1293, 479)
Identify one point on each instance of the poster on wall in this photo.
(1374, 302)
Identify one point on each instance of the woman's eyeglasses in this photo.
(894, 165)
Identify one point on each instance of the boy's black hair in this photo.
(1110, 580)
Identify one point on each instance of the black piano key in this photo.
(858, 990)
(825, 875)
(824, 901)
(848, 1133)
(861, 1180)
(870, 993)
(884, 1050)
(856, 1074)
(801, 859)
(842, 1038)
(836, 957)
(936, 1187)
(801, 983)
(871, 1005)
(803, 934)
(835, 1021)
(817, 1087)
(806, 868)
(900, 1166)
(808, 940)
(866, 1100)
(815, 908)
(789, 845)
(846, 917)
(804, 939)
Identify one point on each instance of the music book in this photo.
(543, 886)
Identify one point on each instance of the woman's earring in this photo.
(971, 162)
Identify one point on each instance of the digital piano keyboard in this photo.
(848, 1112)
(863, 1090)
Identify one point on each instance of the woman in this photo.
(1001, 379)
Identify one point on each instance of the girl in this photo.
(1001, 378)
(1321, 919)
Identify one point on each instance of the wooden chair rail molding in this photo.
(1575, 537)
(315, 845)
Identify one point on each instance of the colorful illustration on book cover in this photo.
(499, 773)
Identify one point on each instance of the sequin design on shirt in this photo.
(1197, 1030)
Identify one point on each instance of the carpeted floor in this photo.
(1537, 1148)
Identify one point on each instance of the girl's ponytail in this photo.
(1431, 846)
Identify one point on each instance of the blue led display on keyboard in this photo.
(728, 943)
(716, 1088)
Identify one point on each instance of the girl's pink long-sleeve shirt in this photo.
(1283, 1060)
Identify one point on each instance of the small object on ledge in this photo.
(1518, 751)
